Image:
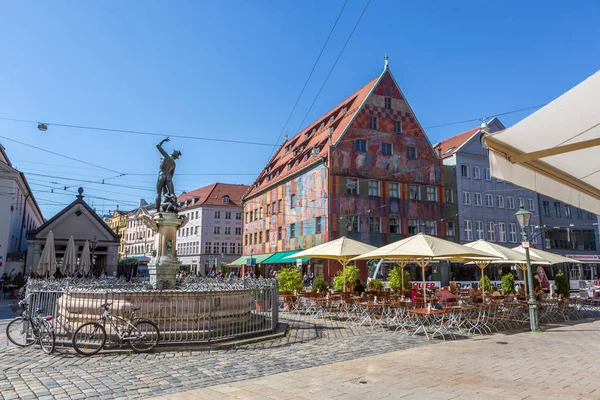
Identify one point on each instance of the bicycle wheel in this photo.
(18, 332)
(89, 338)
(144, 336)
(47, 338)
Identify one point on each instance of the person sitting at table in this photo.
(444, 295)
(414, 292)
(359, 288)
(475, 291)
(521, 291)
(539, 293)
(495, 292)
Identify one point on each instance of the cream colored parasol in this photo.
(47, 262)
(422, 249)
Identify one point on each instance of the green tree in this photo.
(290, 279)
(508, 283)
(343, 276)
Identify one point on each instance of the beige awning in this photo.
(504, 254)
(550, 258)
(556, 150)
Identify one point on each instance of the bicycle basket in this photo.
(16, 308)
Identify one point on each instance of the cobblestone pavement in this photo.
(560, 363)
(28, 373)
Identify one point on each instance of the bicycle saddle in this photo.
(39, 310)
(105, 305)
(134, 309)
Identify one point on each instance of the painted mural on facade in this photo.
(310, 198)
(400, 165)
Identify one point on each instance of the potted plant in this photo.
(348, 275)
(375, 284)
(508, 283)
(395, 280)
(562, 285)
(290, 280)
(319, 285)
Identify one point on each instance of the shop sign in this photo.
(584, 257)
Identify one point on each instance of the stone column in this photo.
(163, 265)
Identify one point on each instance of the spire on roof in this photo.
(385, 61)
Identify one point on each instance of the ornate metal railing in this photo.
(199, 310)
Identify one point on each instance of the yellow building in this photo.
(118, 223)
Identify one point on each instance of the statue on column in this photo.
(164, 181)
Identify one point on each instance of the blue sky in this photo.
(233, 70)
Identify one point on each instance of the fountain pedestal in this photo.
(163, 265)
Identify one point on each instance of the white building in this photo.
(213, 233)
(19, 213)
(139, 239)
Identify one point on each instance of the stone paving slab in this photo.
(561, 363)
(311, 342)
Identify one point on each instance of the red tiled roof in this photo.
(449, 146)
(214, 194)
(295, 153)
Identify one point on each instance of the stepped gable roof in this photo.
(214, 195)
(295, 154)
(451, 146)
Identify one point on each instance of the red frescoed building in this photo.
(365, 170)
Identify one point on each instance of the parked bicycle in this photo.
(141, 334)
(25, 331)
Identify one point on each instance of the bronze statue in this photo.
(164, 181)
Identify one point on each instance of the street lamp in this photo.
(524, 216)
(93, 244)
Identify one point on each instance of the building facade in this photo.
(571, 232)
(213, 232)
(365, 170)
(139, 239)
(19, 214)
(79, 220)
(118, 223)
(486, 206)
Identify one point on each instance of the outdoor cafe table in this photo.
(425, 318)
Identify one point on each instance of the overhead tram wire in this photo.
(61, 155)
(334, 65)
(308, 78)
(114, 130)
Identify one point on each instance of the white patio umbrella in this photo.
(85, 259)
(69, 263)
(422, 249)
(504, 254)
(47, 262)
(342, 250)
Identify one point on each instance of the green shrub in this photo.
(290, 279)
(562, 285)
(508, 283)
(375, 284)
(349, 274)
(485, 284)
(320, 285)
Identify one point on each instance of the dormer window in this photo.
(314, 130)
(344, 110)
(226, 199)
(449, 150)
(331, 120)
(289, 166)
(322, 125)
